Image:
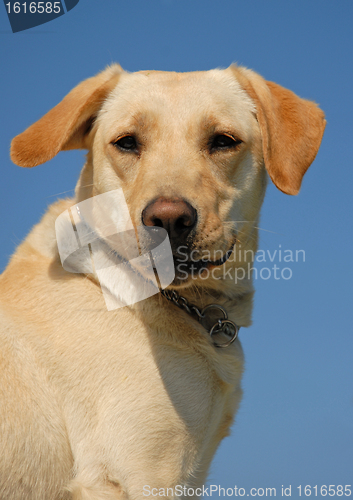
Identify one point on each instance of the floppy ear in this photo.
(291, 129)
(64, 127)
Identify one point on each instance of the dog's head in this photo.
(189, 150)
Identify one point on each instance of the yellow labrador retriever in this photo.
(133, 401)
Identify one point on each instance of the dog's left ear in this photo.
(291, 129)
(66, 125)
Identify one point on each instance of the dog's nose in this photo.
(175, 215)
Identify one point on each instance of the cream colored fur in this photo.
(96, 404)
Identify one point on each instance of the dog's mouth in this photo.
(187, 268)
(206, 263)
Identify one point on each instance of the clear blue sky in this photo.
(295, 425)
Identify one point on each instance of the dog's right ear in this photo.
(291, 129)
(64, 127)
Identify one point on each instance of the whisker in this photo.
(257, 227)
(268, 231)
(58, 194)
(69, 191)
(17, 241)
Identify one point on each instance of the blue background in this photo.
(295, 423)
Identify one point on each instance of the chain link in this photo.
(222, 325)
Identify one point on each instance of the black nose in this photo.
(175, 215)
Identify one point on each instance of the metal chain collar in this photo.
(204, 316)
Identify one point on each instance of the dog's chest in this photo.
(148, 405)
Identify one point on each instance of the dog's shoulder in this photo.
(32, 264)
(40, 243)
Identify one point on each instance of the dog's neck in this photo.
(238, 306)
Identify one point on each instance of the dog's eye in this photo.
(127, 143)
(224, 142)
